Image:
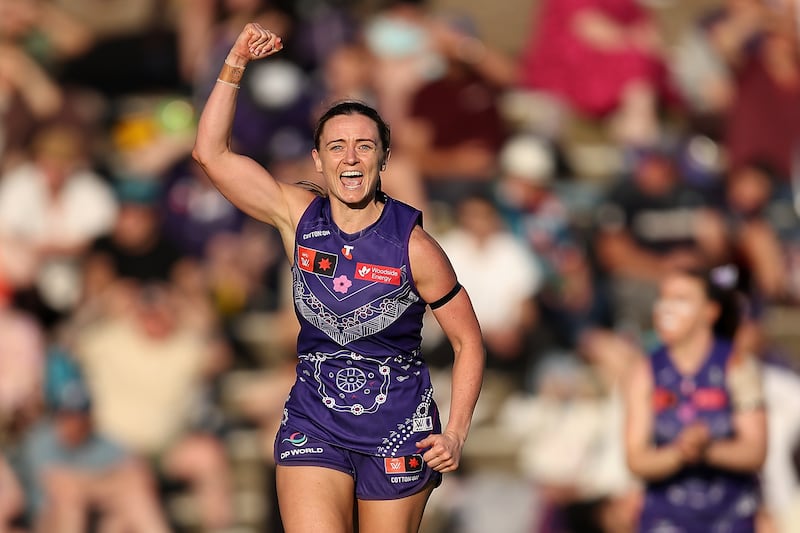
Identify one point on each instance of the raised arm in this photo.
(242, 180)
(435, 279)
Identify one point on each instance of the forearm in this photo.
(630, 261)
(70, 36)
(465, 388)
(653, 464)
(735, 454)
(216, 120)
(38, 90)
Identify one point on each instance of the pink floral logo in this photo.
(341, 284)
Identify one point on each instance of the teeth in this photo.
(351, 174)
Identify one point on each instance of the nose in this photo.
(350, 156)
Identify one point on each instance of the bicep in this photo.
(638, 412)
(251, 188)
(745, 384)
(751, 426)
(431, 270)
(436, 282)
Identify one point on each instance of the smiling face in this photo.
(683, 308)
(350, 157)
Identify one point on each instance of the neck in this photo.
(690, 353)
(354, 218)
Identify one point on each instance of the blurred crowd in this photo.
(146, 330)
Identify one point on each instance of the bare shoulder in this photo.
(422, 242)
(639, 376)
(433, 274)
(740, 357)
(425, 252)
(298, 196)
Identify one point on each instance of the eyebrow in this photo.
(373, 141)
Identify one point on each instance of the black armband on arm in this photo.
(447, 297)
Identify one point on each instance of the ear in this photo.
(386, 159)
(713, 311)
(317, 161)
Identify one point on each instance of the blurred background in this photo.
(566, 153)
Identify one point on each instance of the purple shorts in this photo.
(376, 478)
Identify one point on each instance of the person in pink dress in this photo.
(603, 59)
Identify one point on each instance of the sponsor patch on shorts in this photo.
(403, 465)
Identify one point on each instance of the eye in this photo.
(336, 148)
(365, 147)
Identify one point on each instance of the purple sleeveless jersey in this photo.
(697, 499)
(361, 381)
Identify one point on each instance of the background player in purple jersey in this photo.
(351, 151)
(696, 427)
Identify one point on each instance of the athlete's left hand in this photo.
(443, 451)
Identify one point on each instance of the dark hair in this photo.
(760, 165)
(355, 107)
(720, 286)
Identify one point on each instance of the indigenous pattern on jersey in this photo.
(361, 382)
(697, 499)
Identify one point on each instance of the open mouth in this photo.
(351, 179)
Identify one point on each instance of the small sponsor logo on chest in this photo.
(378, 273)
(316, 262)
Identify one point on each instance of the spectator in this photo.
(503, 278)
(13, 500)
(570, 447)
(404, 55)
(71, 470)
(36, 38)
(134, 50)
(537, 213)
(347, 74)
(154, 344)
(648, 225)
(21, 368)
(605, 59)
(50, 211)
(135, 248)
(706, 54)
(194, 211)
(764, 121)
(749, 191)
(27, 96)
(22, 359)
(235, 257)
(454, 128)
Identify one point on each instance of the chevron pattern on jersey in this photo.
(361, 322)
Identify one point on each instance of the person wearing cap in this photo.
(536, 213)
(70, 469)
(135, 249)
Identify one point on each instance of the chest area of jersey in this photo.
(680, 400)
(348, 274)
